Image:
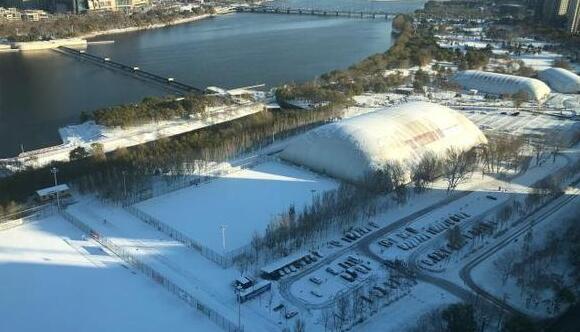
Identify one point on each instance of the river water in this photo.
(42, 91)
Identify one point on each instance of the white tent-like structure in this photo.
(353, 148)
(500, 84)
(561, 80)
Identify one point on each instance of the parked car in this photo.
(291, 314)
(315, 293)
(315, 280)
(361, 270)
(347, 277)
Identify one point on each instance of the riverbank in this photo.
(153, 26)
(87, 134)
(81, 40)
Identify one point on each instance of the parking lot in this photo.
(343, 273)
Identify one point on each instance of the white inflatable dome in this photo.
(499, 84)
(352, 148)
(561, 80)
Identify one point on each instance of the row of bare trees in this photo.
(360, 303)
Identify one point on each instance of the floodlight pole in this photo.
(54, 170)
(223, 228)
(124, 183)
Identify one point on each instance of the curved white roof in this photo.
(561, 80)
(499, 84)
(352, 148)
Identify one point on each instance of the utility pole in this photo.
(54, 170)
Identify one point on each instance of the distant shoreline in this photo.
(81, 40)
(149, 27)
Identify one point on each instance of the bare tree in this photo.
(425, 171)
(429, 322)
(454, 237)
(504, 265)
(458, 166)
(299, 326)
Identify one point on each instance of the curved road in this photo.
(547, 210)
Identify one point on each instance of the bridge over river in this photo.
(315, 12)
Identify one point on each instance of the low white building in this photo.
(561, 80)
(502, 84)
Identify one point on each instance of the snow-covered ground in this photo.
(245, 201)
(489, 277)
(54, 280)
(113, 138)
(204, 280)
(403, 314)
(539, 61)
(525, 123)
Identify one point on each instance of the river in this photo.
(43, 91)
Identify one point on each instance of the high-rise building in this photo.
(574, 16)
(552, 11)
(562, 7)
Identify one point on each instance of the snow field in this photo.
(206, 281)
(245, 202)
(54, 280)
(403, 314)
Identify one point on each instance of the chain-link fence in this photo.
(225, 260)
(184, 295)
(25, 216)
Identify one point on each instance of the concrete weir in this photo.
(168, 83)
(50, 44)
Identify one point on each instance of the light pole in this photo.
(124, 184)
(54, 170)
(223, 228)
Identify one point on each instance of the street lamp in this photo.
(223, 228)
(54, 170)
